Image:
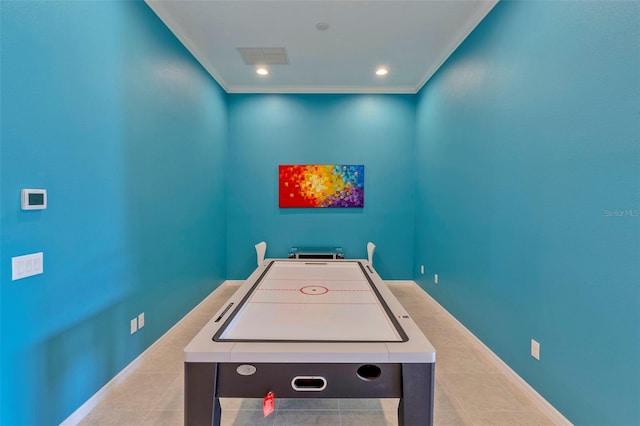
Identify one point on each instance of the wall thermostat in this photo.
(34, 199)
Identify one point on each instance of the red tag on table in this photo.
(268, 404)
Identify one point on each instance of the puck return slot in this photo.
(308, 383)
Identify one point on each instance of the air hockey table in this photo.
(310, 329)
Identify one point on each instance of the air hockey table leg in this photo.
(416, 405)
(201, 404)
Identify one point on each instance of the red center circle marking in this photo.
(314, 290)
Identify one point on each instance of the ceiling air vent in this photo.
(264, 55)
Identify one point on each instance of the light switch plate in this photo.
(27, 265)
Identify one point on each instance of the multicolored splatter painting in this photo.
(317, 185)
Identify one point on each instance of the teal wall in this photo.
(268, 130)
(104, 108)
(527, 142)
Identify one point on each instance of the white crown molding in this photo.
(398, 90)
(488, 6)
(172, 25)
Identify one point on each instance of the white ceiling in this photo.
(411, 38)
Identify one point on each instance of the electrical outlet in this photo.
(422, 269)
(535, 349)
(435, 278)
(141, 320)
(134, 325)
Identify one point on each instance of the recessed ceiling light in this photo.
(262, 71)
(381, 71)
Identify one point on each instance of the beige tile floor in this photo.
(469, 389)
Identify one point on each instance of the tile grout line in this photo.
(456, 403)
(165, 393)
(145, 417)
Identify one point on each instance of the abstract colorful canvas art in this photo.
(321, 185)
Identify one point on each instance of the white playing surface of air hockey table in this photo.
(310, 329)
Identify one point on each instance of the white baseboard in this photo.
(82, 411)
(511, 375)
(409, 282)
